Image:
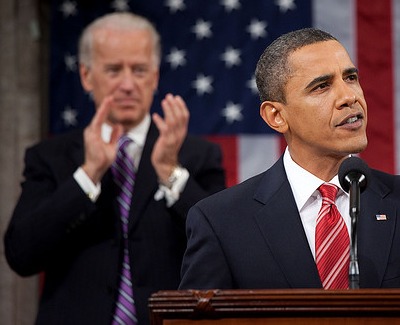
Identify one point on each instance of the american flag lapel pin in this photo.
(381, 217)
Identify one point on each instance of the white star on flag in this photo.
(232, 112)
(285, 5)
(202, 84)
(70, 62)
(231, 57)
(252, 85)
(202, 29)
(257, 29)
(230, 4)
(175, 5)
(120, 5)
(69, 116)
(176, 58)
(68, 8)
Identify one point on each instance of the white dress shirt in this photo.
(309, 200)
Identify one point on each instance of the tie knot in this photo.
(123, 142)
(123, 163)
(328, 192)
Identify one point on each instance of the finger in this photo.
(175, 110)
(181, 104)
(116, 133)
(181, 114)
(160, 123)
(102, 112)
(168, 104)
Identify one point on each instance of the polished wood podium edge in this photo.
(200, 304)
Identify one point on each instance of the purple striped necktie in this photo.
(332, 242)
(124, 177)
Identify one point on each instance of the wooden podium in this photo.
(278, 307)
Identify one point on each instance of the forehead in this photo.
(116, 43)
(321, 58)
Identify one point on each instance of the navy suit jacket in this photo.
(58, 230)
(251, 237)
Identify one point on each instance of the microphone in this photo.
(354, 169)
(354, 175)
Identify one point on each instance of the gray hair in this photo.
(118, 21)
(273, 69)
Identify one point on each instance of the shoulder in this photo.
(385, 177)
(248, 196)
(59, 142)
(385, 182)
(233, 198)
(59, 150)
(58, 155)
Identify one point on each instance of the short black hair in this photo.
(273, 71)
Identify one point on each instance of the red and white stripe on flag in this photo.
(370, 31)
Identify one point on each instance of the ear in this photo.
(86, 78)
(273, 114)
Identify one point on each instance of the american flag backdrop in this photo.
(210, 49)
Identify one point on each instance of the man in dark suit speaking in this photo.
(90, 201)
(289, 226)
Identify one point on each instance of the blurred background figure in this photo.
(102, 217)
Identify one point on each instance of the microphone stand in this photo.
(354, 272)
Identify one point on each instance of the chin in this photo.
(358, 144)
(125, 118)
(358, 149)
(129, 123)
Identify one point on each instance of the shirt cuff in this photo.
(172, 194)
(92, 190)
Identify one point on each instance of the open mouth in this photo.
(351, 119)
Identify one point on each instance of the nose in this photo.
(347, 96)
(127, 81)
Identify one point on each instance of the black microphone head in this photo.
(354, 169)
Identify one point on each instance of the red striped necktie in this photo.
(332, 243)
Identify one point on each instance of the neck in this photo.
(323, 167)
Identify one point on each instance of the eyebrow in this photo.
(327, 77)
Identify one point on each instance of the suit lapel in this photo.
(376, 227)
(281, 226)
(146, 179)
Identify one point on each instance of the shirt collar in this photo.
(137, 134)
(304, 184)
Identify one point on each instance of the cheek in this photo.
(310, 119)
(319, 110)
(106, 87)
(153, 82)
(148, 87)
(363, 102)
